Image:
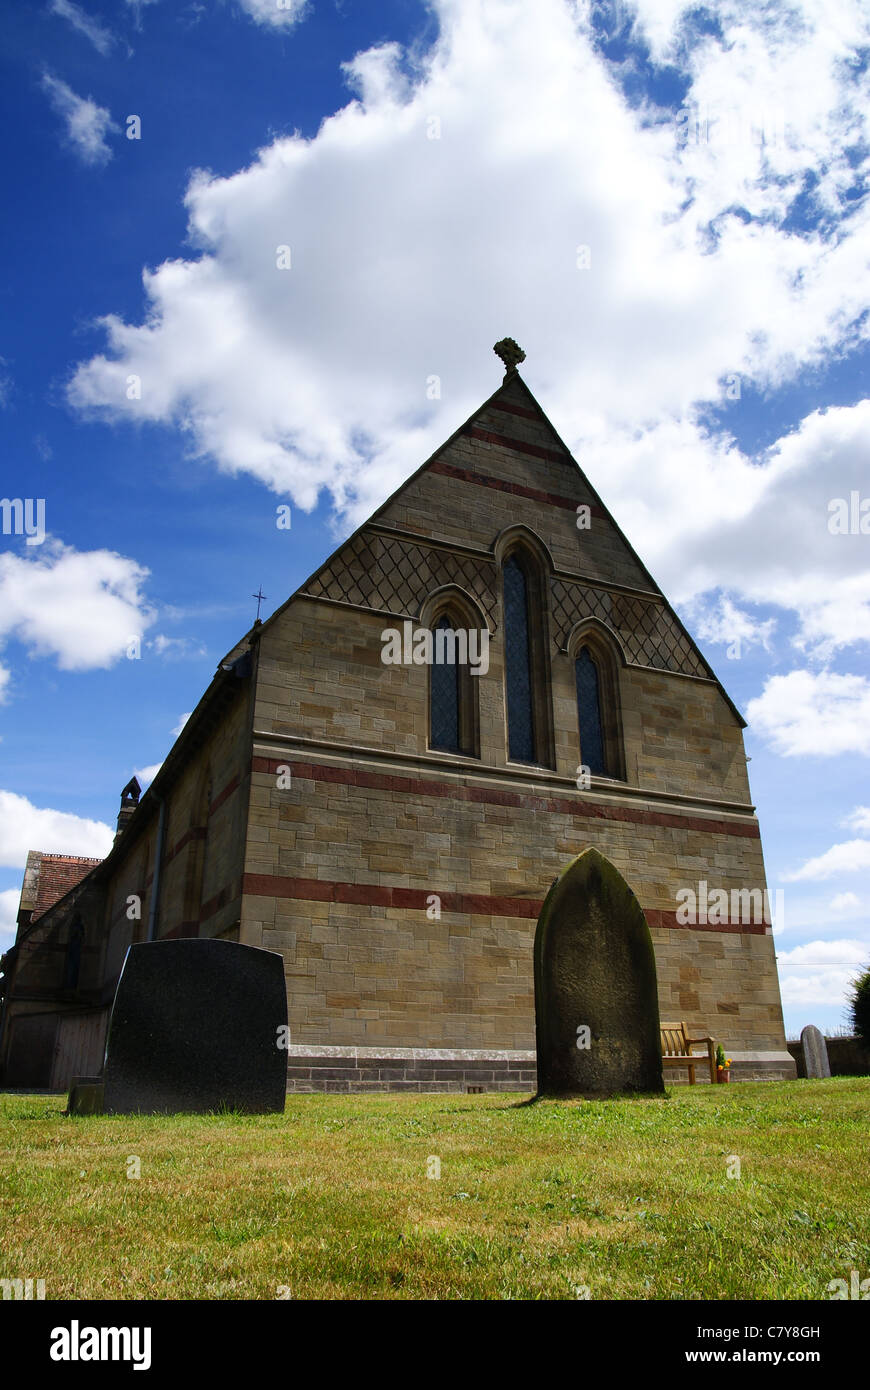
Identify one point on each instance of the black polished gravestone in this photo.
(195, 1026)
(596, 999)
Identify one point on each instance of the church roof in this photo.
(49, 877)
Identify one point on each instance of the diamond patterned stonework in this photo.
(648, 631)
(396, 576)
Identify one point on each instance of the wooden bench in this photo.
(677, 1046)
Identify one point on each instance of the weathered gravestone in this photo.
(815, 1051)
(195, 1027)
(596, 1002)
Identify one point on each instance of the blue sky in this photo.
(666, 205)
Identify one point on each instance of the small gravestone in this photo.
(596, 1000)
(815, 1051)
(195, 1027)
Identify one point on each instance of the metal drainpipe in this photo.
(155, 882)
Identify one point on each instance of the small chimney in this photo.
(129, 801)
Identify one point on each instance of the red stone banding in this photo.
(199, 832)
(222, 796)
(469, 904)
(552, 499)
(520, 446)
(196, 832)
(515, 410)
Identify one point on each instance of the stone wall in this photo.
(346, 861)
(39, 1001)
(206, 827)
(321, 678)
(206, 814)
(846, 1056)
(203, 848)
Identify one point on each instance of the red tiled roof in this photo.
(58, 873)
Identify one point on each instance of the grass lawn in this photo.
(630, 1199)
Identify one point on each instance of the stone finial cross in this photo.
(510, 353)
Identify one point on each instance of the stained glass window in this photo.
(589, 713)
(518, 673)
(444, 701)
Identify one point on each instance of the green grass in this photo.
(630, 1198)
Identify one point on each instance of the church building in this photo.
(391, 822)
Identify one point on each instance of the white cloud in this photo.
(9, 900)
(847, 858)
(96, 33)
(24, 826)
(80, 607)
(176, 647)
(820, 972)
(761, 531)
(783, 68)
(275, 14)
(298, 376)
(828, 986)
(147, 774)
(846, 951)
(771, 542)
(859, 819)
(271, 14)
(844, 902)
(724, 622)
(819, 713)
(137, 6)
(181, 723)
(87, 124)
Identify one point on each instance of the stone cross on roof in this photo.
(510, 353)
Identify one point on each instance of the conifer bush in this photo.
(860, 1008)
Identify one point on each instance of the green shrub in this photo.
(860, 1007)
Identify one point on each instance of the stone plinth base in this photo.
(762, 1066)
(315, 1068)
(745, 1066)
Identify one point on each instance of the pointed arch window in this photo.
(589, 713)
(596, 677)
(518, 664)
(444, 701)
(453, 691)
